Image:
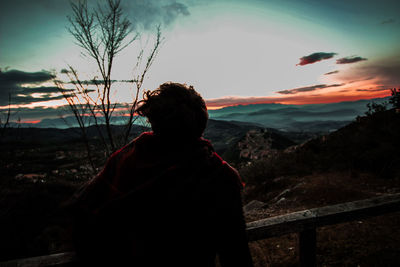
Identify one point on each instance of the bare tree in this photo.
(79, 107)
(103, 32)
(4, 124)
(139, 81)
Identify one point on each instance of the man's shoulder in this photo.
(143, 139)
(227, 173)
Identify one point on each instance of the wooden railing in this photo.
(303, 222)
(307, 221)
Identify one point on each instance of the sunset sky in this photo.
(232, 52)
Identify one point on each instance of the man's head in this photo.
(175, 110)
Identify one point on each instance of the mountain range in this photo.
(296, 118)
(314, 118)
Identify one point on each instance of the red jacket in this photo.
(162, 203)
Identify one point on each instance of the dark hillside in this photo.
(370, 144)
(224, 134)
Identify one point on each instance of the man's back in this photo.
(161, 203)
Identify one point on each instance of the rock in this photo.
(19, 176)
(254, 205)
(32, 177)
(60, 155)
(85, 167)
(284, 192)
(281, 200)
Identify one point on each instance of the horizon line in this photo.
(231, 101)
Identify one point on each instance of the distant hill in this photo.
(70, 122)
(298, 118)
(312, 118)
(222, 134)
(42, 136)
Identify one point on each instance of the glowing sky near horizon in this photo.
(232, 52)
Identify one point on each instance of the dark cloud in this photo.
(19, 99)
(14, 83)
(94, 82)
(315, 57)
(145, 13)
(372, 90)
(349, 60)
(28, 99)
(21, 77)
(148, 14)
(384, 72)
(37, 113)
(388, 21)
(173, 10)
(43, 112)
(307, 89)
(40, 90)
(89, 82)
(65, 71)
(332, 72)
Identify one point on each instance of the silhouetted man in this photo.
(165, 199)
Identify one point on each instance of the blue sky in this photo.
(233, 52)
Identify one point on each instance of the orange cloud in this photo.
(31, 121)
(329, 97)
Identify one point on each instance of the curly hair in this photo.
(174, 110)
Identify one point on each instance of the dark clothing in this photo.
(158, 203)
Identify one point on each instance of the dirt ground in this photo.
(371, 242)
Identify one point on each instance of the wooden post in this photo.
(308, 247)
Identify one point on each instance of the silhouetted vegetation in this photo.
(395, 98)
(375, 108)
